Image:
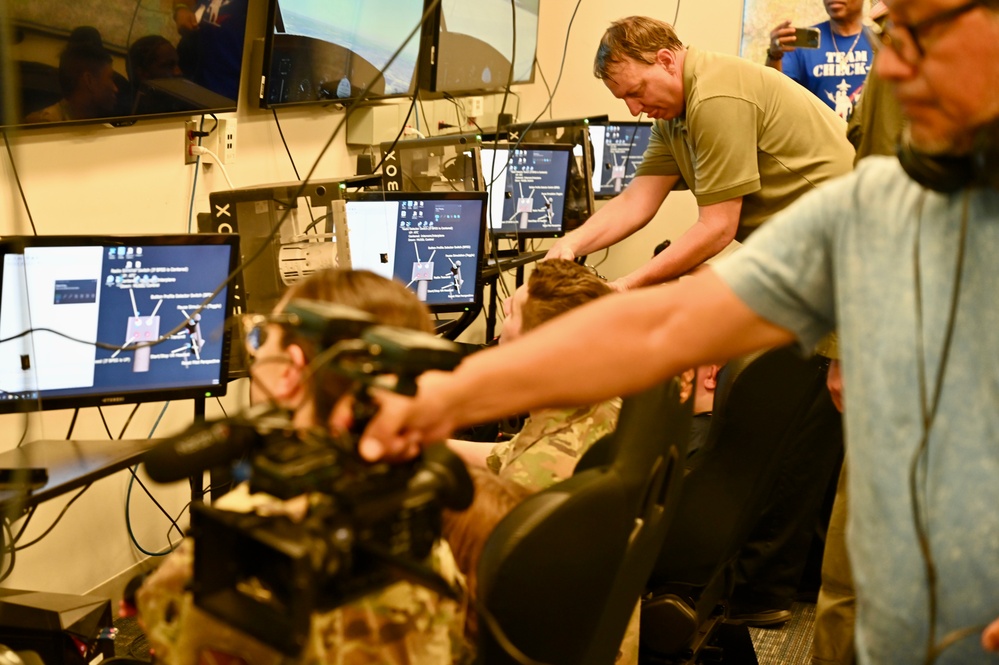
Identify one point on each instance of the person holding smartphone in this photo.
(833, 66)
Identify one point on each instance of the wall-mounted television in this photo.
(115, 61)
(328, 51)
(92, 320)
(618, 148)
(469, 45)
(433, 242)
(527, 185)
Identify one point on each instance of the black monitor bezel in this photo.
(558, 147)
(618, 123)
(442, 308)
(268, 54)
(17, 244)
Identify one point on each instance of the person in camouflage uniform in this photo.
(546, 450)
(551, 441)
(402, 624)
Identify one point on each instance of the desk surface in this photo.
(70, 464)
(492, 269)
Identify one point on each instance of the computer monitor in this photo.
(579, 204)
(98, 320)
(329, 51)
(527, 185)
(470, 45)
(433, 242)
(618, 148)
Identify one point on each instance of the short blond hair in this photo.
(637, 38)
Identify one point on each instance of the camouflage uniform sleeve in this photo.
(403, 624)
(547, 449)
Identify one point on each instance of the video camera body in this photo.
(367, 525)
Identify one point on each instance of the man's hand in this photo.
(780, 39)
(187, 20)
(560, 250)
(620, 285)
(403, 424)
(990, 637)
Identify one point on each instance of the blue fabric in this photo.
(844, 256)
(834, 72)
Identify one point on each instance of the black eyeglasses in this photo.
(904, 38)
(255, 328)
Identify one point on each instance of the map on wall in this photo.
(759, 17)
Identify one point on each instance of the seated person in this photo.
(704, 399)
(546, 450)
(150, 58)
(87, 83)
(403, 624)
(466, 531)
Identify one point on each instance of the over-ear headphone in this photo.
(949, 173)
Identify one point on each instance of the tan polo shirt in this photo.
(747, 131)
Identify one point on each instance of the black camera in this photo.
(367, 525)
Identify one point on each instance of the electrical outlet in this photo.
(227, 140)
(474, 106)
(190, 140)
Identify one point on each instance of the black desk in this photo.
(70, 464)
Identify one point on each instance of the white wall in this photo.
(132, 180)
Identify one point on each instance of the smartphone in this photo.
(23, 478)
(806, 38)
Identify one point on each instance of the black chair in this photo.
(562, 573)
(761, 410)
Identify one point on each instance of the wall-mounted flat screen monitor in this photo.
(618, 148)
(329, 51)
(115, 61)
(90, 320)
(527, 184)
(469, 45)
(433, 242)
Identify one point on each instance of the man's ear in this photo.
(293, 376)
(342, 415)
(666, 58)
(710, 378)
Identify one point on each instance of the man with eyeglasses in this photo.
(900, 258)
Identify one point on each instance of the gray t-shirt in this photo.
(845, 256)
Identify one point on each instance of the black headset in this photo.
(950, 173)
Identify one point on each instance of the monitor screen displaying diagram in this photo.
(527, 186)
(94, 321)
(430, 241)
(618, 149)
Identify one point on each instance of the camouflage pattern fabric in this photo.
(403, 624)
(552, 441)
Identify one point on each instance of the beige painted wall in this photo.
(132, 180)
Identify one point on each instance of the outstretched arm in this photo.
(617, 345)
(618, 219)
(715, 228)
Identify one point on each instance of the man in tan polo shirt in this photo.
(746, 140)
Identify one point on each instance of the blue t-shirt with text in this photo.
(835, 71)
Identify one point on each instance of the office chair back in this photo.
(561, 574)
(760, 407)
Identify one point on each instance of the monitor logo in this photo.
(391, 173)
(112, 400)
